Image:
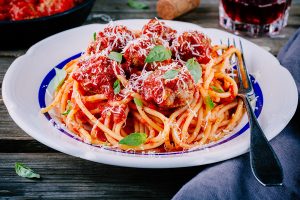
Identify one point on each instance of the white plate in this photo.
(22, 82)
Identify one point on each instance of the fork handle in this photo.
(263, 160)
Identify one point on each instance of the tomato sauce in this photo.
(81, 116)
(96, 75)
(28, 9)
(118, 113)
(136, 52)
(168, 92)
(155, 28)
(97, 72)
(112, 38)
(193, 44)
(100, 135)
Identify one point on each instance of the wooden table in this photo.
(67, 177)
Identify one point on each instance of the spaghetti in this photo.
(153, 89)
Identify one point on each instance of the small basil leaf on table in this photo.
(136, 4)
(25, 171)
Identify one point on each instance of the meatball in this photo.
(155, 28)
(137, 50)
(170, 90)
(192, 45)
(115, 38)
(96, 75)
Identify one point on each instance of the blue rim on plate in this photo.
(42, 102)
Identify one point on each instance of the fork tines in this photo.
(243, 76)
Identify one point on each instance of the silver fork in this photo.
(264, 163)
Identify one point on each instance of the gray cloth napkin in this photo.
(233, 179)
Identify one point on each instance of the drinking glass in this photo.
(254, 17)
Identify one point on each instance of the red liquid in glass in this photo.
(259, 12)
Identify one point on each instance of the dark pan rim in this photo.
(58, 15)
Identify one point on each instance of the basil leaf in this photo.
(69, 107)
(24, 171)
(171, 74)
(137, 5)
(214, 88)
(115, 56)
(209, 103)
(194, 69)
(57, 81)
(95, 36)
(117, 86)
(158, 53)
(134, 139)
(138, 102)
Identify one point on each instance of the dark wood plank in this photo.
(66, 177)
(27, 145)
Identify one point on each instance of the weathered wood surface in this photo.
(66, 177)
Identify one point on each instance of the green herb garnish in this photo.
(117, 86)
(115, 56)
(69, 107)
(214, 88)
(134, 139)
(171, 74)
(158, 53)
(57, 81)
(209, 103)
(137, 5)
(95, 35)
(24, 171)
(138, 102)
(194, 69)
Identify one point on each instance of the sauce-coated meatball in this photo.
(192, 45)
(169, 86)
